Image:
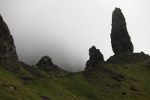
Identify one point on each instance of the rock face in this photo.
(120, 39)
(7, 47)
(95, 57)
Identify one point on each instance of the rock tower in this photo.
(120, 39)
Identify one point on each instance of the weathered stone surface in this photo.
(120, 39)
(95, 57)
(7, 47)
(128, 58)
(45, 63)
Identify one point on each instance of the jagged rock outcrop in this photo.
(46, 64)
(7, 46)
(128, 58)
(120, 39)
(95, 57)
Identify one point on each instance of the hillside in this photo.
(103, 82)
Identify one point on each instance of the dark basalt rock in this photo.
(127, 58)
(95, 57)
(46, 64)
(45, 61)
(7, 46)
(120, 39)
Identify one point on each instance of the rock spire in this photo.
(120, 39)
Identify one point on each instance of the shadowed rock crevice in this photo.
(96, 57)
(120, 39)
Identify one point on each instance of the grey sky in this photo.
(66, 29)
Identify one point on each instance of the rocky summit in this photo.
(95, 57)
(120, 39)
(7, 47)
(44, 63)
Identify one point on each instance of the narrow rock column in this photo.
(120, 39)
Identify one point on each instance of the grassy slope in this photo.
(110, 82)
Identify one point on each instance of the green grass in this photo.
(108, 82)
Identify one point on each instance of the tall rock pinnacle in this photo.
(120, 39)
(95, 57)
(7, 46)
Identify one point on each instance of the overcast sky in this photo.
(66, 29)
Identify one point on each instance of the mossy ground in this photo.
(107, 82)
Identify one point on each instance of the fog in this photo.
(66, 29)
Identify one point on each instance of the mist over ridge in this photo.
(65, 30)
